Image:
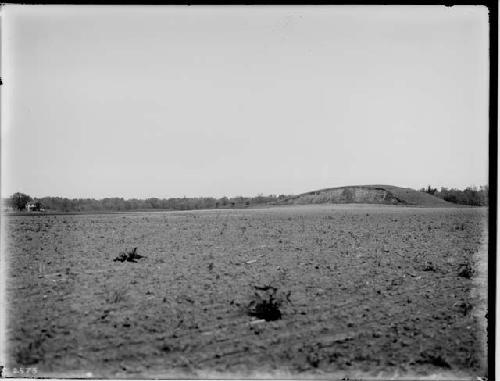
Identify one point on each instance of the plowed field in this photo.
(377, 290)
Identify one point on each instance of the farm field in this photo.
(364, 289)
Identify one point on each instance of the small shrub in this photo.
(265, 309)
(429, 267)
(130, 256)
(266, 306)
(465, 270)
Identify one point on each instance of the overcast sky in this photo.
(209, 101)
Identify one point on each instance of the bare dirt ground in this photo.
(372, 290)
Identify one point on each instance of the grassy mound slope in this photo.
(413, 197)
(368, 194)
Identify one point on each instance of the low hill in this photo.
(367, 194)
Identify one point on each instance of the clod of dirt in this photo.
(34, 352)
(397, 281)
(463, 307)
(313, 359)
(130, 256)
(166, 348)
(117, 296)
(266, 288)
(465, 270)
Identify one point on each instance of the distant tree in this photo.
(38, 206)
(430, 190)
(469, 196)
(18, 200)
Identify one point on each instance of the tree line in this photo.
(19, 201)
(473, 196)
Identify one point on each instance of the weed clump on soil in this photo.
(429, 266)
(465, 270)
(130, 256)
(433, 359)
(116, 296)
(34, 352)
(265, 309)
(265, 305)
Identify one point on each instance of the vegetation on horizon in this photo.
(19, 200)
(469, 196)
(473, 196)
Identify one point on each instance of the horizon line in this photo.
(261, 194)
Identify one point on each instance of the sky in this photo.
(173, 101)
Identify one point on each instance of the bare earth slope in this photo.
(368, 194)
